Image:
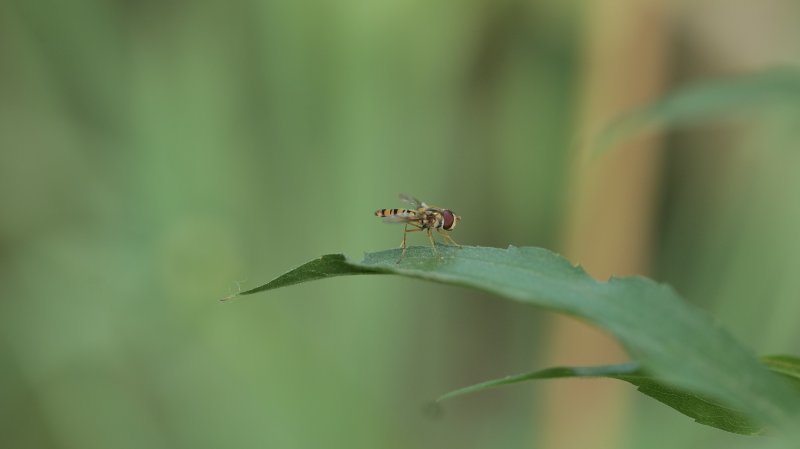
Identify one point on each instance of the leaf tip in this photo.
(229, 297)
(234, 294)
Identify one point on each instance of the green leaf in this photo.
(703, 410)
(674, 341)
(786, 365)
(330, 265)
(709, 100)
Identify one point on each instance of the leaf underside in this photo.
(670, 339)
(702, 409)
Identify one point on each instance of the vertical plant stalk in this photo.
(609, 223)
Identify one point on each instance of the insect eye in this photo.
(449, 220)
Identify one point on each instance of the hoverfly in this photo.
(422, 218)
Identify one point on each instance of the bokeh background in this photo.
(156, 155)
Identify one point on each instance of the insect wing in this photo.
(412, 201)
(406, 216)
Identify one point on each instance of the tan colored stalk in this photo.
(610, 221)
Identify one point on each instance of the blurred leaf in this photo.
(706, 101)
(702, 409)
(786, 365)
(671, 339)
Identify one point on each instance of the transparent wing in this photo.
(411, 200)
(402, 216)
(400, 219)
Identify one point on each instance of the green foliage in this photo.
(330, 265)
(154, 152)
(670, 339)
(709, 100)
(785, 365)
(704, 410)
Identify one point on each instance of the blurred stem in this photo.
(610, 219)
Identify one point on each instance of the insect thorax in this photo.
(432, 219)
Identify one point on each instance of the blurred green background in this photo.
(154, 155)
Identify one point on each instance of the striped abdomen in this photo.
(399, 213)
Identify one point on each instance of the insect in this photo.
(422, 218)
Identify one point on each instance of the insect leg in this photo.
(433, 244)
(448, 238)
(403, 244)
